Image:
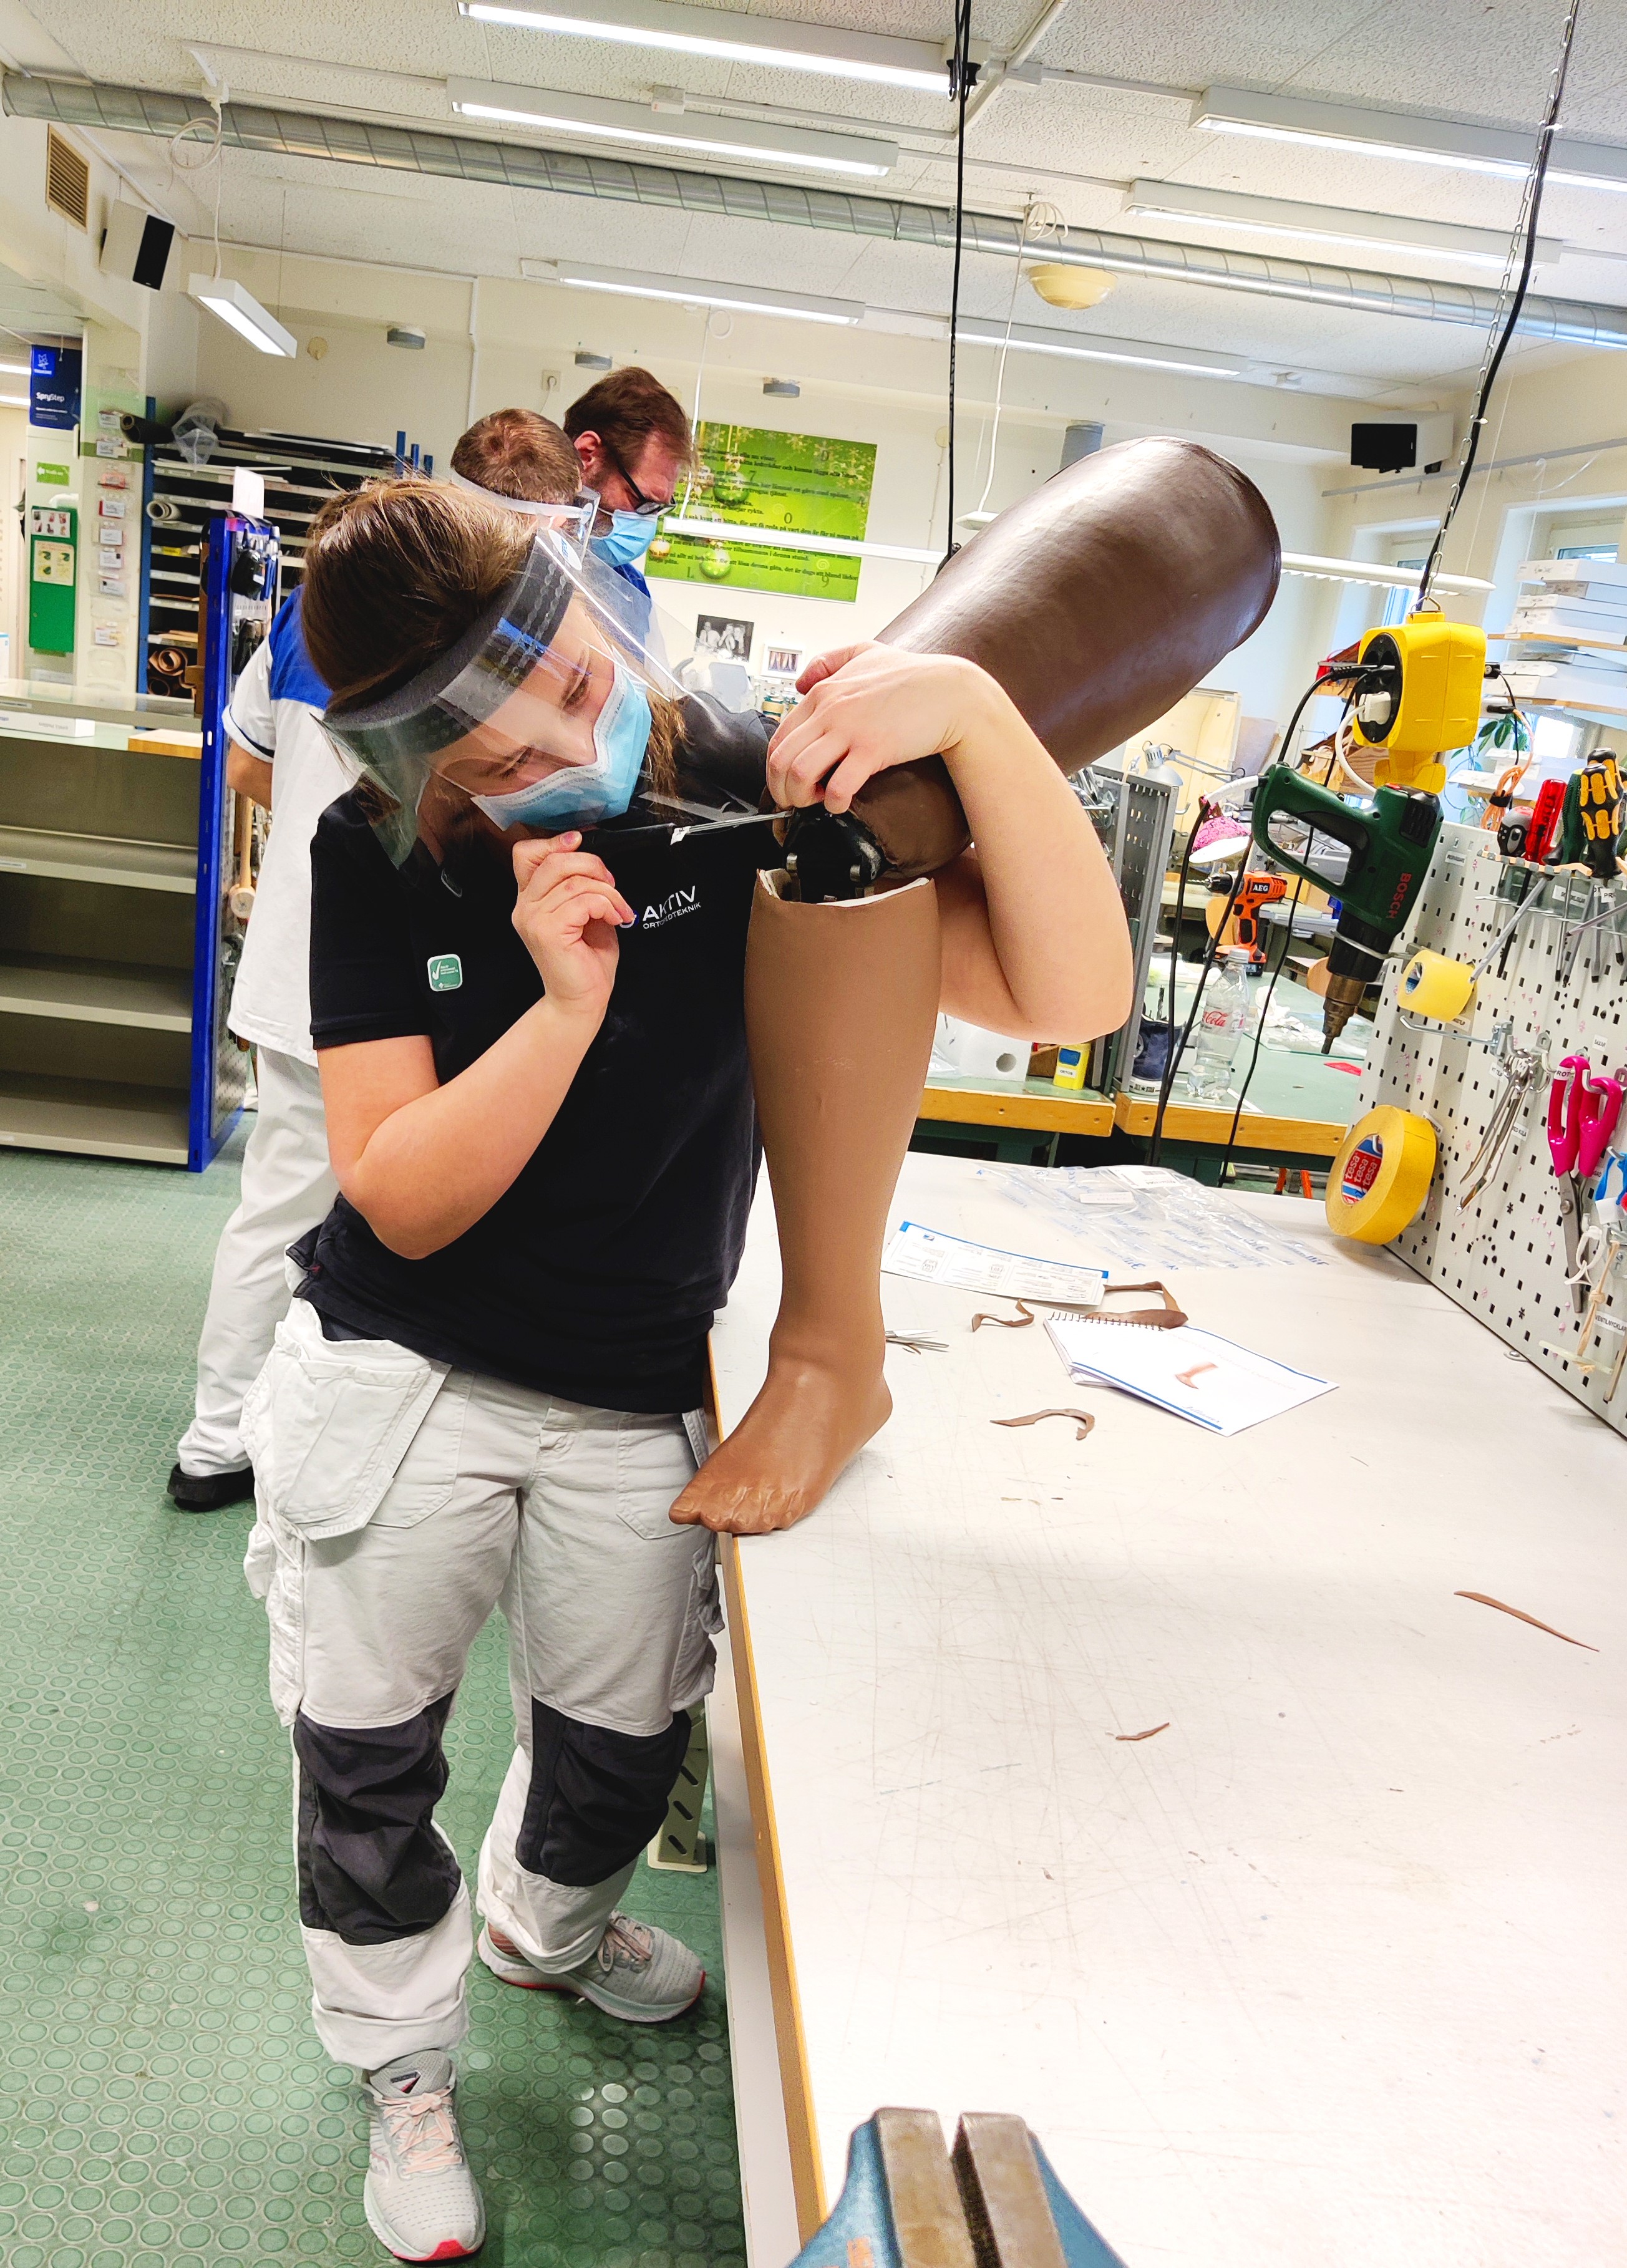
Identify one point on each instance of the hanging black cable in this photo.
(1531, 206)
(1319, 684)
(962, 78)
(1265, 1005)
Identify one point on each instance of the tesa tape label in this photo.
(1361, 1169)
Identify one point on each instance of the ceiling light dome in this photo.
(1061, 286)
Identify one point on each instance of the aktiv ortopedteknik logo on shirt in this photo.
(670, 909)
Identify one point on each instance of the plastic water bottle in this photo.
(1224, 1017)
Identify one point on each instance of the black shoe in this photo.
(210, 1491)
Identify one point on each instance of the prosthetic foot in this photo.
(841, 1004)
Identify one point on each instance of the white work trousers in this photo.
(288, 1187)
(398, 1503)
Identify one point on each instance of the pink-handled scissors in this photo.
(1582, 1112)
(1600, 1106)
(1564, 1143)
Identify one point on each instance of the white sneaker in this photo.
(636, 1972)
(420, 2197)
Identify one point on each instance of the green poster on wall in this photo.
(755, 478)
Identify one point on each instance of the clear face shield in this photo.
(540, 717)
(572, 523)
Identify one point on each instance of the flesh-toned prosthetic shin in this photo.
(840, 1004)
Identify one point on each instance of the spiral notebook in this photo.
(1191, 1372)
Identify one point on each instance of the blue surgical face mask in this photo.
(631, 534)
(588, 793)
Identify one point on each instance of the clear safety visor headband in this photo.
(573, 521)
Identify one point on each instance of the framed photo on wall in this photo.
(724, 634)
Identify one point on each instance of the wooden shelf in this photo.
(93, 1118)
(96, 992)
(1558, 637)
(99, 858)
(1211, 1123)
(1036, 1105)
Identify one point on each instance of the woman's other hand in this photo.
(568, 913)
(870, 707)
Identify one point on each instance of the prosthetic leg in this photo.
(1097, 603)
(841, 1003)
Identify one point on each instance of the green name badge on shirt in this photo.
(446, 972)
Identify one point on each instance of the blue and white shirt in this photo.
(275, 713)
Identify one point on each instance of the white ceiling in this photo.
(1076, 146)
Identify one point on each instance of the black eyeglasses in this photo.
(645, 507)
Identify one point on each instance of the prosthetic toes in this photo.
(841, 1004)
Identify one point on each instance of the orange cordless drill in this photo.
(1239, 926)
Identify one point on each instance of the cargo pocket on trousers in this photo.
(427, 1473)
(327, 1422)
(654, 1463)
(693, 1670)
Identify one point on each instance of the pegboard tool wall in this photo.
(1503, 1257)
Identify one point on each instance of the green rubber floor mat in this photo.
(163, 2099)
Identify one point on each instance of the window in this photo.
(1397, 602)
(1581, 535)
(1556, 741)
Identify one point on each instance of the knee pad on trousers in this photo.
(371, 1866)
(596, 1797)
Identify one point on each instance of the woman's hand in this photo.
(869, 708)
(568, 913)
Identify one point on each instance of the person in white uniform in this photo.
(280, 756)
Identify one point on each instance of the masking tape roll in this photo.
(1377, 1184)
(1432, 986)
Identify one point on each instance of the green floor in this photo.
(162, 2097)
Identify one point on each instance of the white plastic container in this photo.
(961, 1050)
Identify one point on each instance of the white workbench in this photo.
(1329, 1974)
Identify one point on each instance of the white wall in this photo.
(859, 384)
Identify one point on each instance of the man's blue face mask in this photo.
(630, 535)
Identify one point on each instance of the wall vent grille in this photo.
(67, 179)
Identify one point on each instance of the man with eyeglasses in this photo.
(634, 443)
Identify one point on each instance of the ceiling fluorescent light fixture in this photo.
(241, 308)
(916, 65)
(1316, 570)
(1025, 339)
(744, 298)
(1282, 216)
(836, 547)
(1419, 141)
(588, 115)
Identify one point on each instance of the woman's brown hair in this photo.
(396, 571)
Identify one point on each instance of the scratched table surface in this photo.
(1328, 1972)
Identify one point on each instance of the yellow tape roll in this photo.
(1377, 1184)
(1432, 985)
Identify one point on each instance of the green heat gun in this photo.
(1387, 853)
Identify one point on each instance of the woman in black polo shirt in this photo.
(540, 1115)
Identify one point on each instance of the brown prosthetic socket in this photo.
(1097, 602)
(841, 1004)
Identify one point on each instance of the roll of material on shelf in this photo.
(1377, 1184)
(1432, 985)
